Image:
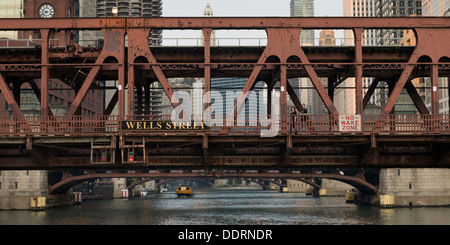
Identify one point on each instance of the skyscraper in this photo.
(394, 8)
(11, 9)
(435, 7)
(345, 97)
(304, 8)
(397, 8)
(131, 8)
(208, 12)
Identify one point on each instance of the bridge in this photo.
(366, 181)
(131, 140)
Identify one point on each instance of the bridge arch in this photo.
(445, 59)
(273, 59)
(424, 59)
(141, 59)
(111, 60)
(293, 59)
(361, 181)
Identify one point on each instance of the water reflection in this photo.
(227, 208)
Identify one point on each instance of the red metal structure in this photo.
(127, 58)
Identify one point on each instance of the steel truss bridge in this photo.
(74, 141)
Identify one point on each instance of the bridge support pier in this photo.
(19, 188)
(119, 184)
(411, 187)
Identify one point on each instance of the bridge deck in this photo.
(86, 143)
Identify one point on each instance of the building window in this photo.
(16, 185)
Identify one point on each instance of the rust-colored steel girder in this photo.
(283, 42)
(227, 23)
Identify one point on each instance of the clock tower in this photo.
(47, 9)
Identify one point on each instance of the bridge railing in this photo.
(248, 125)
(58, 125)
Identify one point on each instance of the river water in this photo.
(227, 207)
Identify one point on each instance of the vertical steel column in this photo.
(44, 72)
(283, 97)
(434, 89)
(269, 102)
(207, 70)
(448, 90)
(358, 70)
(391, 88)
(121, 79)
(131, 86)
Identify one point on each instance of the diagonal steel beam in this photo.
(250, 84)
(4, 88)
(404, 77)
(84, 88)
(114, 47)
(138, 46)
(370, 92)
(37, 92)
(294, 97)
(415, 97)
(317, 84)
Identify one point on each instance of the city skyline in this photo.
(250, 8)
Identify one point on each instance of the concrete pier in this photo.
(416, 187)
(23, 190)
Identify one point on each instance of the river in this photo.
(227, 207)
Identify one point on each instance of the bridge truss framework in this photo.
(72, 141)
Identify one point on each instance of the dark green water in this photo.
(227, 207)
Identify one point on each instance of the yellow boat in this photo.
(184, 191)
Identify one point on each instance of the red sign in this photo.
(349, 123)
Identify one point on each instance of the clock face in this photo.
(46, 11)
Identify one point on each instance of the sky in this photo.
(239, 8)
(248, 8)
